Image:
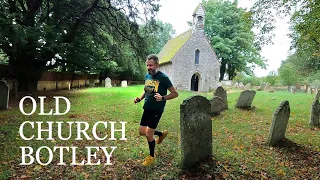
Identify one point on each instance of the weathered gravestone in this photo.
(317, 95)
(279, 123)
(293, 89)
(107, 83)
(195, 131)
(216, 105)
(220, 92)
(241, 86)
(4, 95)
(315, 114)
(245, 99)
(124, 84)
(236, 84)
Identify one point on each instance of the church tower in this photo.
(198, 17)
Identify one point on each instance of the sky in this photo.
(178, 12)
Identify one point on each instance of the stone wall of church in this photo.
(183, 64)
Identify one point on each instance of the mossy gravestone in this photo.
(4, 95)
(279, 123)
(220, 92)
(195, 131)
(245, 99)
(216, 105)
(317, 95)
(315, 114)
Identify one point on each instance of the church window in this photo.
(197, 56)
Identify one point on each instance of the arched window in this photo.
(196, 59)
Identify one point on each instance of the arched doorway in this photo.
(195, 82)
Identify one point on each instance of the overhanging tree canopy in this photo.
(35, 32)
(229, 31)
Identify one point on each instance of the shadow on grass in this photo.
(206, 169)
(301, 157)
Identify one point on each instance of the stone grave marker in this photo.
(4, 95)
(195, 131)
(241, 86)
(236, 84)
(245, 99)
(315, 114)
(124, 84)
(107, 83)
(317, 95)
(279, 123)
(216, 105)
(220, 92)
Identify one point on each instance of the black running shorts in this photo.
(150, 118)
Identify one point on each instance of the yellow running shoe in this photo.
(160, 139)
(149, 160)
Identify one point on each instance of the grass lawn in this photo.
(239, 139)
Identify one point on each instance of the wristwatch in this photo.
(163, 98)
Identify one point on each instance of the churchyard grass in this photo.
(239, 139)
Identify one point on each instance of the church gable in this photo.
(189, 59)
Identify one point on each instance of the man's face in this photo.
(152, 67)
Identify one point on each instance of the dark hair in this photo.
(154, 57)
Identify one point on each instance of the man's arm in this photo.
(142, 96)
(173, 94)
(137, 99)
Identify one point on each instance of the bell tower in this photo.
(198, 17)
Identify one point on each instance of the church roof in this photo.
(197, 9)
(173, 46)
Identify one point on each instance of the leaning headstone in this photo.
(107, 82)
(4, 95)
(317, 95)
(315, 114)
(216, 105)
(245, 99)
(220, 92)
(279, 123)
(195, 131)
(124, 84)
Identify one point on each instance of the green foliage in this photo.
(245, 79)
(288, 74)
(71, 35)
(272, 78)
(314, 79)
(3, 58)
(158, 37)
(305, 30)
(229, 31)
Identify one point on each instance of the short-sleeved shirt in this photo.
(158, 83)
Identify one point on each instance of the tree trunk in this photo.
(222, 69)
(27, 70)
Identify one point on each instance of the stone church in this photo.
(189, 60)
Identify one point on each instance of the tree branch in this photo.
(70, 36)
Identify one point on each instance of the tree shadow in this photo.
(299, 156)
(206, 169)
